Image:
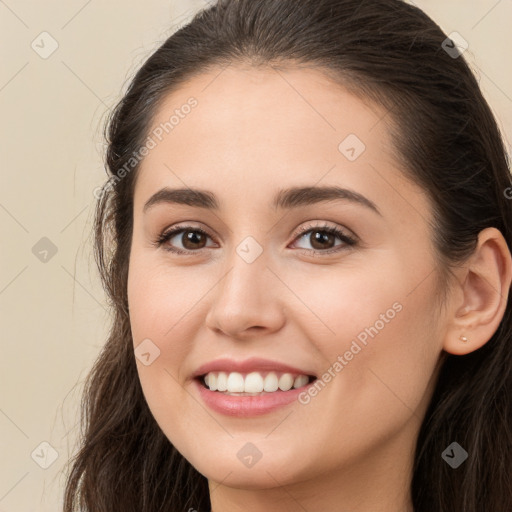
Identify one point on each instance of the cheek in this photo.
(346, 304)
(166, 307)
(375, 332)
(162, 313)
(163, 299)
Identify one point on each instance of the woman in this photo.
(305, 240)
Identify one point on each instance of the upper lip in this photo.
(253, 364)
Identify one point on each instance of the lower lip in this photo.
(244, 406)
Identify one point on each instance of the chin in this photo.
(231, 472)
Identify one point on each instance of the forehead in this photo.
(246, 107)
(254, 130)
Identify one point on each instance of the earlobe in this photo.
(483, 295)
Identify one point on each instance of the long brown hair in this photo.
(449, 144)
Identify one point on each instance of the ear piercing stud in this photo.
(463, 338)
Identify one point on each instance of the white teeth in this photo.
(212, 381)
(222, 381)
(285, 382)
(271, 382)
(254, 382)
(235, 383)
(300, 381)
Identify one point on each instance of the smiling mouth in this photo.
(253, 383)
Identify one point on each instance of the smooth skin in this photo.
(254, 132)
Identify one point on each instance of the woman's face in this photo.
(263, 280)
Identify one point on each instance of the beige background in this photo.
(53, 315)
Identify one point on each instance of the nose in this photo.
(247, 301)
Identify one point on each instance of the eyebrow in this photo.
(294, 197)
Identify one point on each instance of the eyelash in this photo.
(347, 240)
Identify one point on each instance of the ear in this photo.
(481, 298)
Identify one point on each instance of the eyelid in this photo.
(325, 226)
(346, 236)
(175, 230)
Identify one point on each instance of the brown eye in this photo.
(183, 240)
(325, 239)
(193, 239)
(322, 240)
